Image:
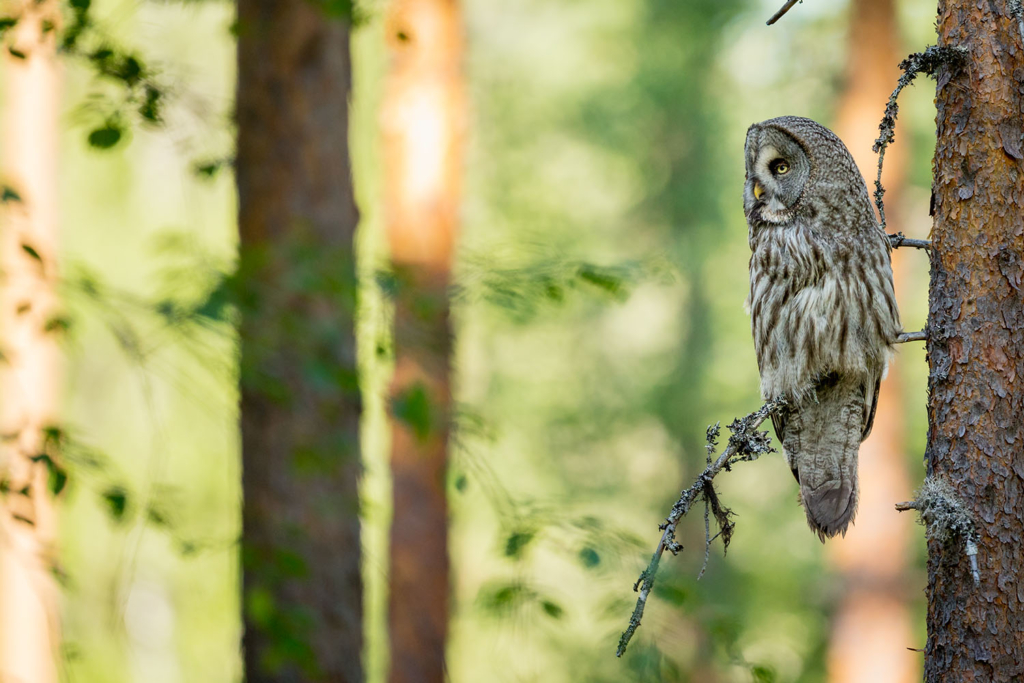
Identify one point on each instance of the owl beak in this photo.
(758, 190)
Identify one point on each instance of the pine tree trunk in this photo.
(976, 345)
(29, 371)
(422, 121)
(302, 587)
(871, 627)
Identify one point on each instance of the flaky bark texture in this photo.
(976, 345)
(29, 369)
(871, 627)
(422, 122)
(300, 400)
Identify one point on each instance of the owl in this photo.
(822, 306)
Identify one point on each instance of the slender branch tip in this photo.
(782, 11)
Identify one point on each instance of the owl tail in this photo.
(822, 436)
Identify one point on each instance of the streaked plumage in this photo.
(823, 310)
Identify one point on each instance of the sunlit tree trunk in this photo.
(29, 370)
(302, 587)
(422, 122)
(872, 627)
(976, 344)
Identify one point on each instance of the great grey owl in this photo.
(822, 306)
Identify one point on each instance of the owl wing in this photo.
(779, 418)
(869, 410)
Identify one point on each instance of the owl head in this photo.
(795, 166)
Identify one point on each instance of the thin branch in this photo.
(904, 337)
(785, 8)
(745, 443)
(707, 539)
(900, 240)
(926, 62)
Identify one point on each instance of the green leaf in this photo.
(157, 517)
(9, 195)
(150, 109)
(81, 4)
(130, 70)
(517, 542)
(413, 408)
(116, 499)
(291, 564)
(589, 558)
(57, 476)
(105, 137)
(7, 23)
(16, 53)
(552, 609)
(30, 250)
(57, 479)
(762, 674)
(53, 436)
(57, 323)
(259, 604)
(601, 278)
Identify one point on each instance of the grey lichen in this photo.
(946, 518)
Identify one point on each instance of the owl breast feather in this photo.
(818, 305)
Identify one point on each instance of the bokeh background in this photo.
(599, 330)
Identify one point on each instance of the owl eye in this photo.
(780, 167)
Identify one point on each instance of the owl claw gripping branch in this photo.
(822, 306)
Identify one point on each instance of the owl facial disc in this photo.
(777, 172)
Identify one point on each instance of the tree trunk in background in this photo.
(422, 122)
(29, 614)
(976, 345)
(872, 627)
(302, 587)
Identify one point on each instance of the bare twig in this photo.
(900, 240)
(707, 539)
(785, 8)
(946, 518)
(926, 62)
(904, 337)
(745, 443)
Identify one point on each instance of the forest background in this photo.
(599, 330)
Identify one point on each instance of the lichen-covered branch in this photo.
(920, 62)
(745, 443)
(946, 518)
(782, 10)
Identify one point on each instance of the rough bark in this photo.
(871, 628)
(29, 370)
(976, 345)
(302, 588)
(422, 122)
